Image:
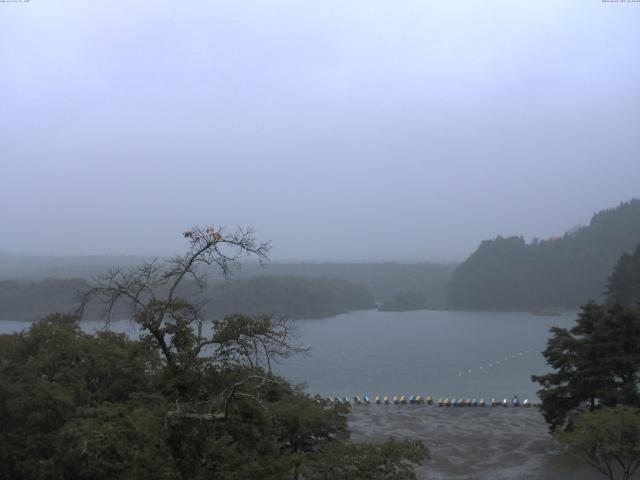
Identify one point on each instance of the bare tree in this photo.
(177, 327)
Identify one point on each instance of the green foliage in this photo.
(595, 363)
(57, 382)
(607, 439)
(624, 282)
(510, 273)
(74, 405)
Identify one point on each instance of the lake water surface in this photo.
(440, 353)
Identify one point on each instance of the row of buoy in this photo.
(496, 363)
(418, 399)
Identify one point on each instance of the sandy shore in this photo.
(491, 443)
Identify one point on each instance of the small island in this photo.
(405, 301)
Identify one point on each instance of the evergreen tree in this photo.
(595, 363)
(624, 282)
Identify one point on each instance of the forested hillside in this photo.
(624, 282)
(565, 271)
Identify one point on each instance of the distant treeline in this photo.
(384, 280)
(288, 296)
(565, 271)
(21, 300)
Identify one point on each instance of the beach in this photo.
(479, 443)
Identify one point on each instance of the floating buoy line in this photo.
(442, 402)
(426, 400)
(496, 363)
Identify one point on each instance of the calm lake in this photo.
(440, 353)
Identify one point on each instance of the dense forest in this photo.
(624, 283)
(511, 273)
(292, 297)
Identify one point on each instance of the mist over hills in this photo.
(384, 280)
(509, 273)
(32, 287)
(503, 273)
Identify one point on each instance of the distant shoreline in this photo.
(538, 312)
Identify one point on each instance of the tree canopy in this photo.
(624, 282)
(595, 363)
(608, 440)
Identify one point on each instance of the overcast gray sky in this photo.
(369, 130)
